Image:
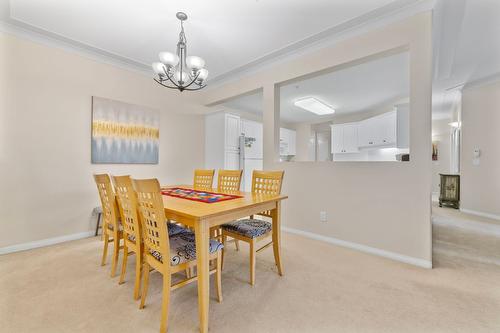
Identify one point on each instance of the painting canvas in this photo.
(124, 133)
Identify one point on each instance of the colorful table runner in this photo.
(197, 195)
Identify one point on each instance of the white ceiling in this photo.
(358, 88)
(466, 47)
(226, 33)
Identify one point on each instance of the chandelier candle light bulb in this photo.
(169, 59)
(171, 70)
(159, 68)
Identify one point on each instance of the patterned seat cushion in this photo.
(111, 227)
(173, 229)
(250, 228)
(183, 248)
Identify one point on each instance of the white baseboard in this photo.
(363, 248)
(45, 242)
(482, 214)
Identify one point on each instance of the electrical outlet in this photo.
(323, 217)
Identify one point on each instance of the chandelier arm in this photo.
(196, 77)
(164, 85)
(169, 77)
(175, 84)
(194, 89)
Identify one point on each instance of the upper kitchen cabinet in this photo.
(345, 138)
(378, 131)
(388, 130)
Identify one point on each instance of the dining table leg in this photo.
(276, 216)
(202, 236)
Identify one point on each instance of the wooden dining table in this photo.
(201, 216)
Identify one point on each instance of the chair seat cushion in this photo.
(250, 228)
(111, 227)
(183, 248)
(173, 229)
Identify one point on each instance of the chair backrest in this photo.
(203, 178)
(267, 182)
(152, 217)
(108, 202)
(229, 180)
(128, 207)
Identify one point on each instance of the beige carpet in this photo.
(452, 213)
(325, 289)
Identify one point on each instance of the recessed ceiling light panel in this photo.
(314, 105)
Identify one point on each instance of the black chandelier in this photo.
(179, 71)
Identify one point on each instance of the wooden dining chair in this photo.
(228, 181)
(167, 255)
(252, 230)
(203, 179)
(132, 233)
(111, 227)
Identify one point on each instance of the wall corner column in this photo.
(271, 117)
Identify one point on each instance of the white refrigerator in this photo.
(251, 151)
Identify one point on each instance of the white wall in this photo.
(45, 123)
(381, 205)
(480, 187)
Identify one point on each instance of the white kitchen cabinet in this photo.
(337, 139)
(350, 138)
(288, 139)
(387, 129)
(366, 133)
(378, 131)
(345, 138)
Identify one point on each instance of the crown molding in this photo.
(26, 31)
(482, 81)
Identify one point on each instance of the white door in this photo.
(337, 139)
(350, 138)
(233, 132)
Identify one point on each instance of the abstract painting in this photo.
(124, 133)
